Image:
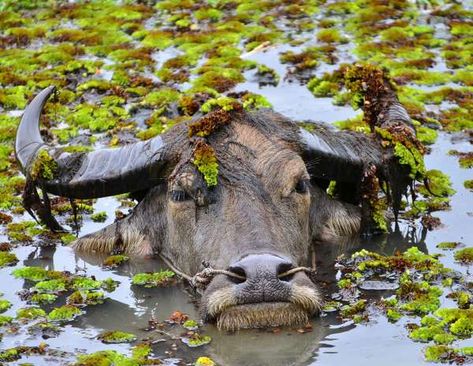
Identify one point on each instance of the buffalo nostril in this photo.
(236, 274)
(283, 272)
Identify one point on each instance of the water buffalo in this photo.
(255, 221)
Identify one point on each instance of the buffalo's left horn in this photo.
(100, 173)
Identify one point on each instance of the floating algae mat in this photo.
(129, 70)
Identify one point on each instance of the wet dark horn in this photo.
(95, 174)
(28, 137)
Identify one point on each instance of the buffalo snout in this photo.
(259, 291)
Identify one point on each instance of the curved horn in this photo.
(338, 155)
(95, 174)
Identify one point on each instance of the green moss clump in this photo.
(114, 261)
(468, 184)
(99, 216)
(85, 283)
(393, 315)
(204, 361)
(4, 305)
(190, 324)
(51, 286)
(206, 162)
(109, 284)
(7, 259)
(439, 184)
(44, 166)
(30, 313)
(349, 311)
(448, 245)
(97, 84)
(426, 135)
(464, 255)
(157, 279)
(116, 337)
(331, 36)
(437, 353)
(36, 274)
(42, 298)
(426, 334)
(5, 320)
(197, 340)
(64, 313)
(254, 101)
(86, 298)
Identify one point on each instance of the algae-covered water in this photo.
(128, 71)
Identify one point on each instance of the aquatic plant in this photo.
(7, 259)
(116, 337)
(205, 159)
(448, 245)
(99, 216)
(114, 261)
(196, 340)
(86, 283)
(51, 286)
(204, 361)
(464, 255)
(64, 313)
(157, 279)
(190, 324)
(30, 313)
(84, 297)
(4, 305)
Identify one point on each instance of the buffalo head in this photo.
(244, 192)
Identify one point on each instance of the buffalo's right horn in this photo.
(100, 173)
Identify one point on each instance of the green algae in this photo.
(468, 184)
(350, 311)
(190, 324)
(448, 245)
(140, 356)
(111, 337)
(206, 162)
(196, 340)
(36, 274)
(99, 216)
(64, 313)
(51, 286)
(44, 166)
(156, 279)
(42, 298)
(204, 361)
(80, 298)
(86, 283)
(7, 259)
(4, 305)
(114, 261)
(5, 320)
(30, 313)
(464, 255)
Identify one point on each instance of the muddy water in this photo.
(329, 343)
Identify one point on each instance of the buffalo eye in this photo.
(179, 195)
(302, 186)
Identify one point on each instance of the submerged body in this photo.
(242, 192)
